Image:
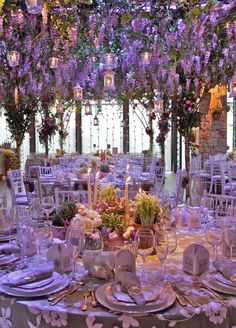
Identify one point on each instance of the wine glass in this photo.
(35, 210)
(144, 240)
(214, 235)
(93, 246)
(43, 235)
(22, 239)
(230, 234)
(75, 239)
(162, 248)
(48, 205)
(172, 241)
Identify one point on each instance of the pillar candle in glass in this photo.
(127, 198)
(89, 190)
(95, 190)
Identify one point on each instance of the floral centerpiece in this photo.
(111, 207)
(151, 212)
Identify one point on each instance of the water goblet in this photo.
(93, 246)
(162, 248)
(75, 240)
(214, 235)
(144, 240)
(43, 235)
(35, 210)
(48, 205)
(230, 234)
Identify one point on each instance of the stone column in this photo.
(212, 132)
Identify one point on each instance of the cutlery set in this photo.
(54, 299)
(89, 291)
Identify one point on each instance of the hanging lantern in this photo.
(232, 87)
(88, 109)
(60, 107)
(159, 105)
(146, 57)
(109, 61)
(78, 92)
(53, 62)
(34, 7)
(13, 58)
(109, 80)
(95, 121)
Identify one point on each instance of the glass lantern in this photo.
(34, 7)
(95, 121)
(109, 61)
(78, 92)
(88, 109)
(109, 80)
(159, 105)
(232, 87)
(13, 58)
(60, 108)
(53, 62)
(146, 57)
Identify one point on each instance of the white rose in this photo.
(97, 222)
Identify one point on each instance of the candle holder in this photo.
(53, 62)
(34, 7)
(13, 58)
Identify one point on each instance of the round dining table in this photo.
(16, 312)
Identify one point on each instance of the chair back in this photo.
(80, 196)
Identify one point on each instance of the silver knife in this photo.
(65, 290)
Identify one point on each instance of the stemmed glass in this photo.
(144, 240)
(214, 235)
(48, 205)
(44, 236)
(230, 234)
(172, 241)
(35, 210)
(162, 248)
(93, 246)
(75, 239)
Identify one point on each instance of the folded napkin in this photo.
(26, 276)
(130, 282)
(9, 248)
(226, 268)
(103, 266)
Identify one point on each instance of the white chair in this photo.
(17, 188)
(80, 196)
(33, 190)
(218, 172)
(198, 175)
(220, 205)
(159, 179)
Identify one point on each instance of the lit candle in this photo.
(95, 190)
(127, 198)
(127, 173)
(140, 190)
(89, 190)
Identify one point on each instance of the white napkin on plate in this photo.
(30, 275)
(226, 268)
(9, 249)
(130, 282)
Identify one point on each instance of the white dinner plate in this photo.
(59, 282)
(8, 258)
(166, 299)
(209, 280)
(7, 238)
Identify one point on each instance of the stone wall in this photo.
(212, 134)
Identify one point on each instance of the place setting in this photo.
(36, 281)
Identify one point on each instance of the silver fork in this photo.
(91, 290)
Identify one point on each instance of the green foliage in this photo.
(65, 213)
(105, 168)
(113, 221)
(107, 192)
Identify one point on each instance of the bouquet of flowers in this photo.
(150, 210)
